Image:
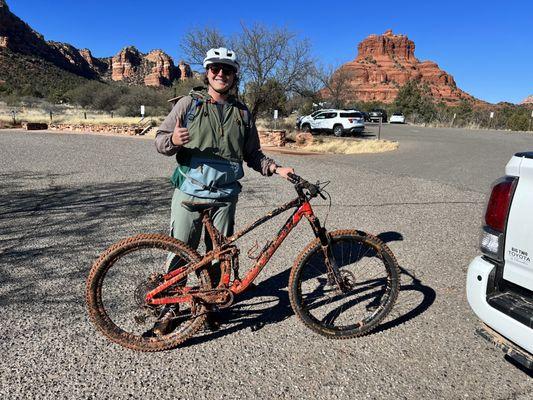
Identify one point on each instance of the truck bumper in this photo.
(476, 291)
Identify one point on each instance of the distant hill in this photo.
(30, 64)
(26, 75)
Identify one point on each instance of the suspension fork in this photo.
(333, 272)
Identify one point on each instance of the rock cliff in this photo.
(386, 62)
(129, 65)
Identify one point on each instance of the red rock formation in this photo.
(184, 71)
(125, 63)
(162, 70)
(528, 100)
(386, 62)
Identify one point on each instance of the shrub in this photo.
(518, 121)
(414, 100)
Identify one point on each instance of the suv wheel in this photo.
(306, 128)
(338, 130)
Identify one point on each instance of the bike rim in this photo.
(365, 302)
(124, 284)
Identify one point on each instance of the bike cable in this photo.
(326, 183)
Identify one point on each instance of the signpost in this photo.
(142, 111)
(491, 117)
(275, 119)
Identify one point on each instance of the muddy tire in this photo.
(370, 271)
(121, 277)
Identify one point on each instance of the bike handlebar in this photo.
(300, 183)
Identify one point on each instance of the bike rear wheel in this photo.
(119, 281)
(370, 273)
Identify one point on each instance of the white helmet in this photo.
(221, 56)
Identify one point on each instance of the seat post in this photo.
(213, 233)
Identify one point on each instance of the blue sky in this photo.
(486, 45)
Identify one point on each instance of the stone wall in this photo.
(272, 138)
(104, 128)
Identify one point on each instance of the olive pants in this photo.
(187, 226)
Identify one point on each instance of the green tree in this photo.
(266, 54)
(271, 95)
(414, 101)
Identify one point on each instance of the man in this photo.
(211, 133)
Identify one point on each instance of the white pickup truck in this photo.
(500, 281)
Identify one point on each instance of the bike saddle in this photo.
(199, 207)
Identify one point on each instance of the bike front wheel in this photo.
(369, 274)
(122, 276)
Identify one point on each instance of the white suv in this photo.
(336, 121)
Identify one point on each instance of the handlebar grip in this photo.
(293, 178)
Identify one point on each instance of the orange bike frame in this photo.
(223, 246)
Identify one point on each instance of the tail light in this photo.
(496, 217)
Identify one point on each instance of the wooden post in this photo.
(14, 119)
(379, 128)
(85, 115)
(50, 116)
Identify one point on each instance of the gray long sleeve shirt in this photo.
(253, 156)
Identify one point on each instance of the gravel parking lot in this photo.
(66, 197)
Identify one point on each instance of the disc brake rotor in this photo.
(143, 288)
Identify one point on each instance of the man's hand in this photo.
(284, 171)
(180, 136)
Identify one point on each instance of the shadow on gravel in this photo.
(414, 299)
(50, 234)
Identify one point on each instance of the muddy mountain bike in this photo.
(342, 284)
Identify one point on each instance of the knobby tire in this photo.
(99, 314)
(376, 280)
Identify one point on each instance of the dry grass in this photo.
(66, 115)
(75, 120)
(342, 146)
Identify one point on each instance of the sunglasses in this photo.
(226, 70)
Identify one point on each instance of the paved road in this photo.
(65, 198)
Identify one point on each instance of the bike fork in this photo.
(333, 272)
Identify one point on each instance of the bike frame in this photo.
(226, 252)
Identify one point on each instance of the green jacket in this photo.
(220, 140)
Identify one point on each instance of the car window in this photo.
(331, 115)
(351, 115)
(321, 116)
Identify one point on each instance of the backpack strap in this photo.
(191, 112)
